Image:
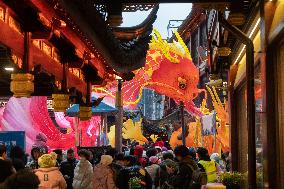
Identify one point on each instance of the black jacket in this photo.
(6, 169)
(162, 177)
(183, 178)
(127, 173)
(67, 168)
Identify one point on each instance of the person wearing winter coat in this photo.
(103, 174)
(40, 142)
(67, 168)
(6, 166)
(132, 175)
(50, 177)
(36, 152)
(186, 165)
(18, 158)
(153, 168)
(23, 179)
(220, 165)
(138, 152)
(83, 173)
(164, 175)
(206, 163)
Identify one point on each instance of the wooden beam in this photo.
(165, 1)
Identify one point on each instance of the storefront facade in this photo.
(266, 31)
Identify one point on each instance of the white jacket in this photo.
(83, 175)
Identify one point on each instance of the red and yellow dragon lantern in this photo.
(169, 70)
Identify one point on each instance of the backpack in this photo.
(136, 178)
(198, 176)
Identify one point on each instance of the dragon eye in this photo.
(182, 83)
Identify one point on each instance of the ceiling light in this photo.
(250, 36)
(10, 69)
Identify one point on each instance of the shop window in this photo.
(259, 125)
(280, 113)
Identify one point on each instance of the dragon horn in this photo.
(161, 44)
(181, 42)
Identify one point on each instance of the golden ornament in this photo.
(85, 113)
(22, 84)
(60, 102)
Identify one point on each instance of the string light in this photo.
(250, 35)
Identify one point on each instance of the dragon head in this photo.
(175, 74)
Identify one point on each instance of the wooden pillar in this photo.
(119, 117)
(183, 123)
(268, 88)
(234, 138)
(26, 58)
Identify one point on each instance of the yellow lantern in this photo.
(22, 84)
(60, 102)
(85, 113)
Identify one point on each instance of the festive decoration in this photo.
(220, 109)
(35, 119)
(85, 113)
(154, 138)
(111, 136)
(169, 70)
(60, 102)
(174, 141)
(195, 137)
(131, 130)
(22, 84)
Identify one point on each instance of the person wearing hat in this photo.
(221, 168)
(103, 174)
(49, 175)
(208, 164)
(159, 149)
(138, 152)
(40, 142)
(153, 167)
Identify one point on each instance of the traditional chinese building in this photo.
(46, 37)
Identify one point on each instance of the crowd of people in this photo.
(154, 166)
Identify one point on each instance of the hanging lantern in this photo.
(60, 102)
(237, 18)
(224, 51)
(85, 113)
(22, 84)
